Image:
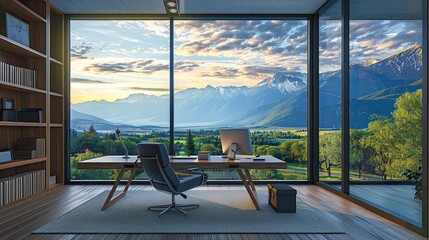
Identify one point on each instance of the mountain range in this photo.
(278, 101)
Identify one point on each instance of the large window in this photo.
(385, 103)
(119, 79)
(386, 106)
(227, 74)
(237, 74)
(330, 96)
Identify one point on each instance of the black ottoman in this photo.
(282, 198)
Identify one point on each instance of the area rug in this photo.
(219, 212)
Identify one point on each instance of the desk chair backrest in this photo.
(149, 154)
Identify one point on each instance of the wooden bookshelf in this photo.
(21, 124)
(45, 55)
(19, 49)
(17, 8)
(56, 101)
(19, 163)
(56, 94)
(56, 61)
(17, 87)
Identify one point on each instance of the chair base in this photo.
(179, 207)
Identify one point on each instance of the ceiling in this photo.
(377, 10)
(189, 6)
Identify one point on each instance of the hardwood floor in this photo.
(19, 220)
(395, 199)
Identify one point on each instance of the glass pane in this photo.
(119, 79)
(386, 106)
(330, 96)
(238, 74)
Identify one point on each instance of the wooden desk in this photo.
(241, 165)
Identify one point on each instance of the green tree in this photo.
(396, 143)
(298, 150)
(330, 151)
(211, 148)
(285, 149)
(190, 146)
(95, 174)
(408, 126)
(359, 154)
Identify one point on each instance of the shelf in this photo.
(56, 125)
(21, 11)
(56, 61)
(55, 10)
(21, 124)
(11, 46)
(21, 88)
(55, 94)
(18, 163)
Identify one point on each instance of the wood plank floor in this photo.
(395, 199)
(19, 220)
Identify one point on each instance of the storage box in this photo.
(8, 115)
(29, 115)
(204, 155)
(282, 198)
(5, 156)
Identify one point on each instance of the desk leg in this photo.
(250, 187)
(109, 201)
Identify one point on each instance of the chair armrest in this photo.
(195, 169)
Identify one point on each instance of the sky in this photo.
(113, 59)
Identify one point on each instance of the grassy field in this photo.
(304, 133)
(337, 171)
(294, 176)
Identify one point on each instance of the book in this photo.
(29, 148)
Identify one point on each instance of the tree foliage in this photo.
(190, 145)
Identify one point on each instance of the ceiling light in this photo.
(171, 6)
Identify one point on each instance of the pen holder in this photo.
(204, 155)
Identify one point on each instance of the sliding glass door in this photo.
(386, 106)
(385, 75)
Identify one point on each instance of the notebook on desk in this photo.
(254, 158)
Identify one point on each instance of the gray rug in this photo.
(219, 212)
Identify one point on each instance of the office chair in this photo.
(156, 164)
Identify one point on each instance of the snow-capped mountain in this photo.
(403, 66)
(280, 100)
(285, 82)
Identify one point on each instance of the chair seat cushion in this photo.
(189, 181)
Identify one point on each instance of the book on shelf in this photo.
(29, 148)
(21, 185)
(18, 75)
(52, 180)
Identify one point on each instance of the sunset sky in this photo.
(113, 59)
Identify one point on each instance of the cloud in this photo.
(79, 52)
(369, 39)
(145, 66)
(237, 38)
(158, 27)
(221, 72)
(149, 89)
(262, 71)
(380, 39)
(89, 81)
(186, 65)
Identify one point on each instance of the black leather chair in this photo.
(156, 164)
